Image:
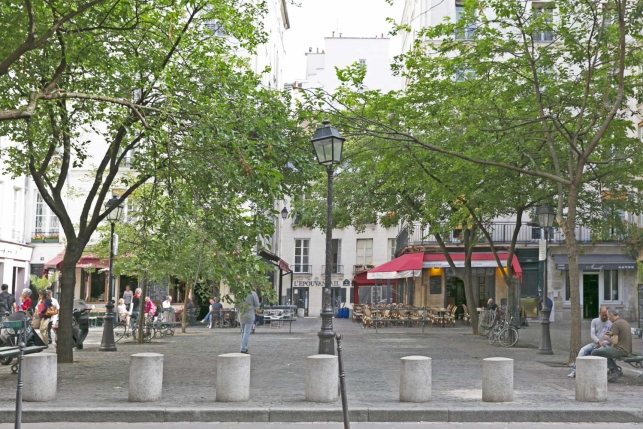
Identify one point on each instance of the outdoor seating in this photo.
(357, 313)
(216, 318)
(366, 318)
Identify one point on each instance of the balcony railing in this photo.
(335, 269)
(501, 233)
(45, 237)
(301, 269)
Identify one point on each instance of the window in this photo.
(464, 75)
(610, 285)
(46, 221)
(568, 292)
(16, 233)
(392, 245)
(468, 32)
(362, 62)
(337, 256)
(130, 211)
(364, 252)
(302, 252)
(544, 16)
(216, 28)
(93, 287)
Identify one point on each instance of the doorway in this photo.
(590, 296)
(301, 298)
(338, 297)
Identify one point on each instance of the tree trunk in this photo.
(65, 343)
(469, 292)
(572, 252)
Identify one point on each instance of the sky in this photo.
(316, 19)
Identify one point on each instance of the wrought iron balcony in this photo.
(335, 269)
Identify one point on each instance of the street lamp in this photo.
(328, 146)
(284, 213)
(107, 343)
(545, 215)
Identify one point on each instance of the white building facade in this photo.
(608, 275)
(304, 249)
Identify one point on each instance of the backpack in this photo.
(5, 302)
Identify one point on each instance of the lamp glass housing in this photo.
(546, 216)
(117, 214)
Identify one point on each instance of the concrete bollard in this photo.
(322, 377)
(40, 377)
(145, 377)
(233, 377)
(497, 380)
(591, 381)
(415, 379)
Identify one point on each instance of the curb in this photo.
(330, 414)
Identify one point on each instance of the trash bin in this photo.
(300, 312)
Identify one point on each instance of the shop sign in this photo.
(15, 251)
(313, 283)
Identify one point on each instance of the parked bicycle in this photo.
(504, 333)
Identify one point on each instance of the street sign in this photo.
(542, 250)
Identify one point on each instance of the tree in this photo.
(142, 82)
(542, 92)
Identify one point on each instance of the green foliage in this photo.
(42, 283)
(634, 241)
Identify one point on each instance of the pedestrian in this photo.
(208, 317)
(121, 310)
(7, 301)
(135, 307)
(25, 300)
(54, 319)
(43, 305)
(149, 308)
(247, 319)
(127, 297)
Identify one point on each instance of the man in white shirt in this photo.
(168, 302)
(599, 327)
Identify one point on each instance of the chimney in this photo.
(323, 51)
(333, 34)
(340, 35)
(317, 50)
(382, 35)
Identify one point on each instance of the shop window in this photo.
(177, 291)
(93, 287)
(610, 285)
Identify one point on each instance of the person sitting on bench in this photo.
(600, 326)
(620, 337)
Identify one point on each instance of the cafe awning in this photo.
(275, 260)
(86, 261)
(597, 262)
(407, 265)
(478, 260)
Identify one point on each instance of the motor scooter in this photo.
(8, 337)
(79, 324)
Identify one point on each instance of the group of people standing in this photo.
(45, 312)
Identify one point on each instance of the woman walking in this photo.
(247, 319)
(135, 307)
(43, 305)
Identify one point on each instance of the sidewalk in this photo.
(95, 388)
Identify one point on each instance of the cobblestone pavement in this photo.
(100, 379)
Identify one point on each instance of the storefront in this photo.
(14, 266)
(427, 280)
(608, 279)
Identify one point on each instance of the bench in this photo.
(277, 323)
(635, 361)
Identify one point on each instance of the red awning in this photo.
(478, 260)
(86, 261)
(407, 265)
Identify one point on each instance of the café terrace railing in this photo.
(501, 233)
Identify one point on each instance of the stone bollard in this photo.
(145, 377)
(322, 376)
(40, 377)
(233, 377)
(591, 381)
(497, 380)
(415, 379)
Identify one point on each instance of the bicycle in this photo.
(508, 336)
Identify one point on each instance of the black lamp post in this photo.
(545, 215)
(328, 146)
(107, 343)
(284, 213)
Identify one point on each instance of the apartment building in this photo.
(608, 273)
